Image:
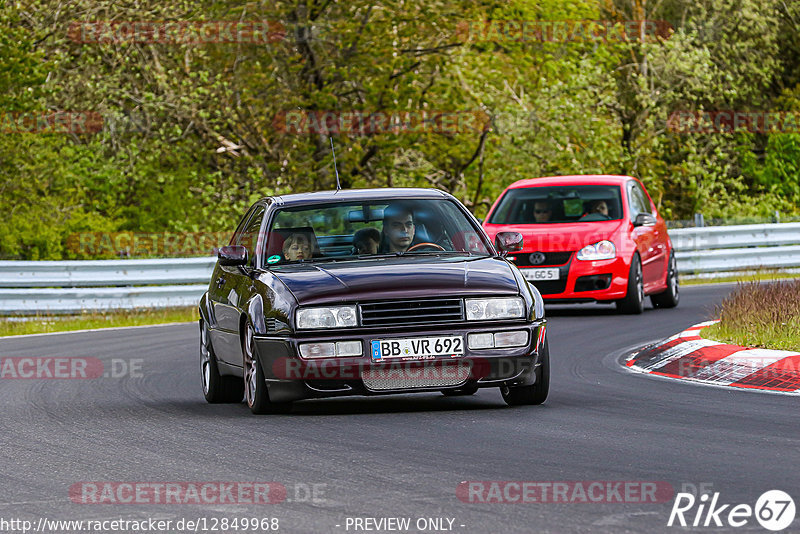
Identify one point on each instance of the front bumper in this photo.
(290, 377)
(586, 281)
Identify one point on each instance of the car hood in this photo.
(562, 236)
(402, 277)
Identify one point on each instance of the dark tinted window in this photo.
(559, 204)
(239, 229)
(359, 229)
(249, 236)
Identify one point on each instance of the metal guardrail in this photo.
(28, 287)
(726, 249)
(72, 286)
(73, 300)
(105, 272)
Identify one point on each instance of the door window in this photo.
(638, 200)
(249, 237)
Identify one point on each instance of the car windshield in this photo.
(559, 204)
(349, 230)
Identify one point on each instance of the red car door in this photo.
(645, 237)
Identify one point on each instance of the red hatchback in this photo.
(589, 238)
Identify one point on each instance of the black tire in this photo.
(633, 303)
(537, 392)
(255, 386)
(670, 297)
(460, 392)
(217, 389)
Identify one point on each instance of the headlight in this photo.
(602, 250)
(495, 308)
(327, 317)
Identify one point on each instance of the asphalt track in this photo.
(399, 456)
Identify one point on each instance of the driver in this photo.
(398, 228)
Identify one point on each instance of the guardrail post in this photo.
(698, 220)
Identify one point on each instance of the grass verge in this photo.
(764, 315)
(42, 324)
(758, 276)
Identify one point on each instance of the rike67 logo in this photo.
(774, 510)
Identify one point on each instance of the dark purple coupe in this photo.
(367, 292)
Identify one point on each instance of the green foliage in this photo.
(190, 137)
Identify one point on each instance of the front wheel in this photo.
(537, 392)
(670, 297)
(216, 388)
(633, 303)
(255, 385)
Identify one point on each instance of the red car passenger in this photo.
(589, 238)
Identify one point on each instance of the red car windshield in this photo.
(559, 204)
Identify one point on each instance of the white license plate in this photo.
(417, 347)
(540, 274)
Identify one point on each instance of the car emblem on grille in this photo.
(537, 258)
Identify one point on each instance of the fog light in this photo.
(349, 348)
(480, 341)
(317, 350)
(331, 350)
(511, 339)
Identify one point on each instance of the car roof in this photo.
(580, 179)
(386, 193)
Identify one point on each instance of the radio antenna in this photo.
(338, 185)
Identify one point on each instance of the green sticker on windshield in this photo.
(573, 207)
(274, 259)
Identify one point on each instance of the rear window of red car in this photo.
(559, 204)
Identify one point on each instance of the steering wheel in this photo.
(419, 245)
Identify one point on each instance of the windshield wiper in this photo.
(440, 252)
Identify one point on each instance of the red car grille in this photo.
(523, 259)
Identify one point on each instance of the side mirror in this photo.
(508, 241)
(232, 255)
(644, 219)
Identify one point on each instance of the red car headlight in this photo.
(602, 250)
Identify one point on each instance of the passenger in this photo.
(297, 247)
(367, 241)
(398, 228)
(542, 211)
(599, 206)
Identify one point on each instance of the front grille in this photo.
(382, 379)
(405, 312)
(523, 259)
